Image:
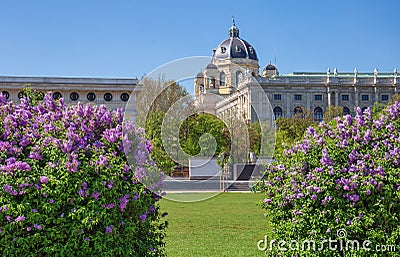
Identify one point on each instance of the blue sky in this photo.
(131, 38)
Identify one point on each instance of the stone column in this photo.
(329, 96)
(356, 95)
(336, 98)
(287, 105)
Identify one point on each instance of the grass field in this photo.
(229, 224)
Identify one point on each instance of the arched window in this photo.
(346, 111)
(222, 78)
(238, 75)
(277, 112)
(298, 110)
(318, 114)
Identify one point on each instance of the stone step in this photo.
(239, 186)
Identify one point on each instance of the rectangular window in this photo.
(297, 97)
(277, 97)
(318, 97)
(385, 97)
(364, 97)
(345, 97)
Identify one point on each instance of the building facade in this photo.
(114, 93)
(287, 94)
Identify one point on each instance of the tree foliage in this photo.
(332, 112)
(291, 130)
(199, 124)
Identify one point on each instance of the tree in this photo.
(332, 112)
(207, 126)
(262, 138)
(155, 99)
(291, 130)
(158, 95)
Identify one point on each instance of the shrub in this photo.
(66, 187)
(342, 182)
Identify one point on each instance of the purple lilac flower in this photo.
(7, 188)
(349, 222)
(152, 209)
(296, 212)
(123, 202)
(96, 195)
(72, 166)
(110, 206)
(35, 156)
(34, 210)
(143, 217)
(87, 239)
(51, 201)
(38, 227)
(354, 198)
(44, 179)
(325, 160)
(110, 184)
(28, 229)
(102, 161)
(109, 229)
(20, 218)
(81, 192)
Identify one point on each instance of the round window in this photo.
(108, 97)
(124, 97)
(6, 94)
(74, 96)
(91, 96)
(57, 95)
(21, 94)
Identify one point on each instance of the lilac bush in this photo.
(66, 186)
(344, 176)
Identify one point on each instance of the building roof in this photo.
(68, 80)
(235, 47)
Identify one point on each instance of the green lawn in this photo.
(229, 224)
